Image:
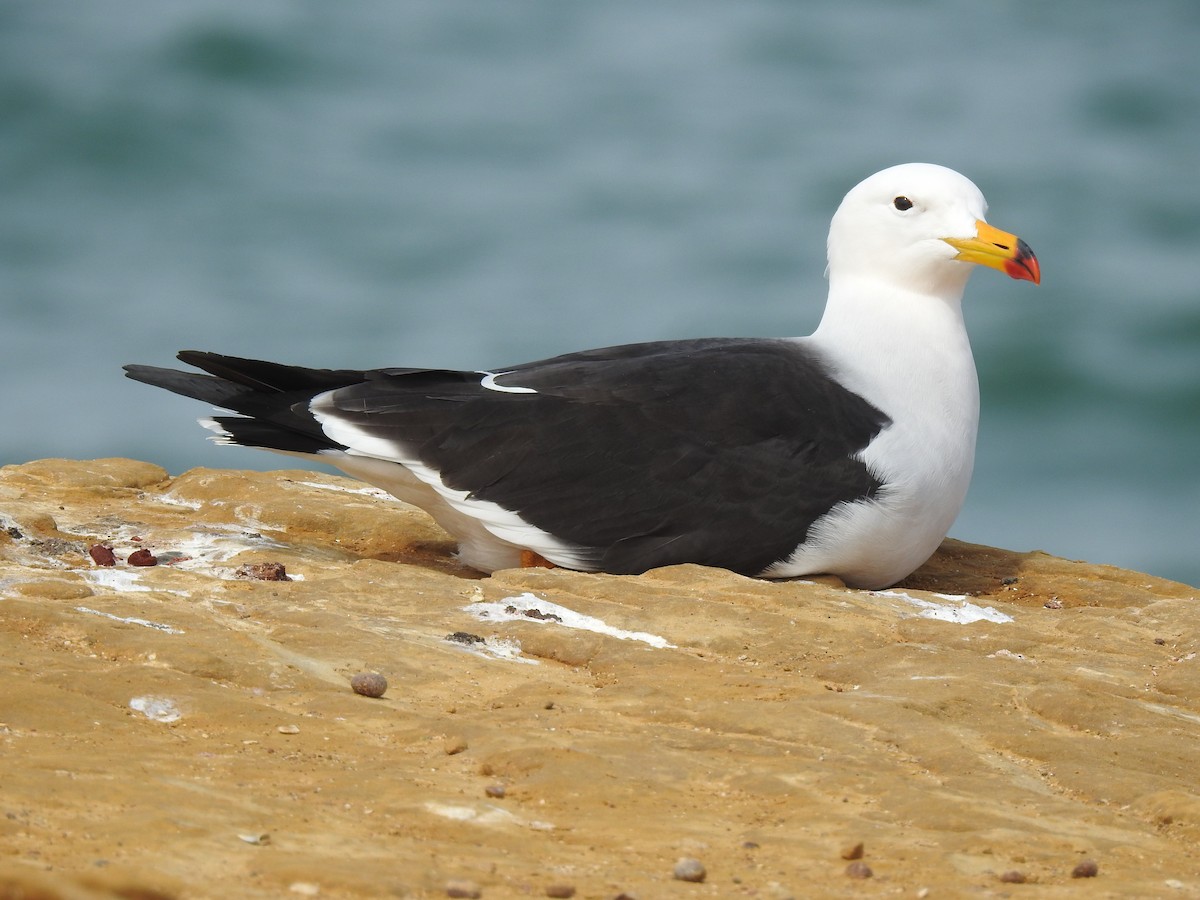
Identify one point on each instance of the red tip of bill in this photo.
(1024, 265)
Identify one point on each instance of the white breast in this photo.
(909, 356)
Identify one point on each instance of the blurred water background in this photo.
(468, 184)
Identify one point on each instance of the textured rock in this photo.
(791, 718)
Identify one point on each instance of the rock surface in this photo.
(177, 731)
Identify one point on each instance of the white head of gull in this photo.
(901, 248)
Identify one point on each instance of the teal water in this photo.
(469, 184)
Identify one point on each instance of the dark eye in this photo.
(902, 203)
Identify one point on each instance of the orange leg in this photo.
(531, 560)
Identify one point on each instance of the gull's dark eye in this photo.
(902, 203)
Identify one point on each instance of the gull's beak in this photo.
(1000, 250)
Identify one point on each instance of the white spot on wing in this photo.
(489, 382)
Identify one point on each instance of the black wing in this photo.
(721, 452)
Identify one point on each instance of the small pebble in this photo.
(495, 790)
(1086, 869)
(560, 890)
(1013, 876)
(268, 571)
(305, 888)
(102, 555)
(1053, 603)
(455, 745)
(853, 851)
(1159, 641)
(749, 845)
(690, 869)
(258, 839)
(288, 729)
(369, 684)
(461, 887)
(464, 637)
(142, 557)
(859, 869)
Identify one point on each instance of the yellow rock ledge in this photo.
(177, 730)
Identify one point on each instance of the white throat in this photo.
(905, 352)
(908, 355)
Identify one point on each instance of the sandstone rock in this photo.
(705, 710)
